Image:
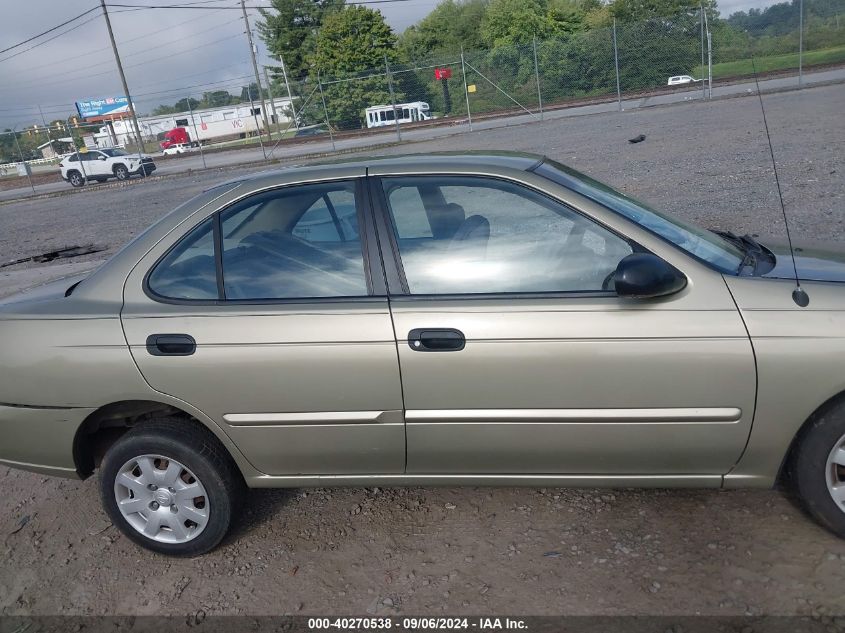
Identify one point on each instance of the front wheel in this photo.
(75, 179)
(170, 486)
(121, 173)
(819, 469)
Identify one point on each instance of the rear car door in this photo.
(271, 318)
(517, 359)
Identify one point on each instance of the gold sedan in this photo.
(435, 319)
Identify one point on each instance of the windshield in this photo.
(696, 241)
(114, 152)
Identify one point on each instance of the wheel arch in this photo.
(831, 404)
(105, 425)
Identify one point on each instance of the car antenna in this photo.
(799, 296)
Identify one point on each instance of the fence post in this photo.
(466, 88)
(326, 111)
(76, 150)
(392, 98)
(23, 162)
(273, 113)
(800, 43)
(196, 134)
(616, 64)
(255, 117)
(537, 77)
(701, 28)
(290, 96)
(709, 64)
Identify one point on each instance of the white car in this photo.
(179, 148)
(102, 164)
(677, 80)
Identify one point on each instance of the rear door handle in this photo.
(436, 340)
(171, 344)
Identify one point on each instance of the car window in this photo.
(698, 242)
(493, 236)
(295, 242)
(189, 270)
(332, 218)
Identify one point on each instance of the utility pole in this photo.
(123, 80)
(255, 69)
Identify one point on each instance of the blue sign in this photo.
(102, 107)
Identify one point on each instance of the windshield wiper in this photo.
(752, 250)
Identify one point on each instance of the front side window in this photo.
(696, 241)
(290, 243)
(474, 235)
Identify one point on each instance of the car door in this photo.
(268, 318)
(96, 163)
(516, 358)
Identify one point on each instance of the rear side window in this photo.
(188, 271)
(296, 242)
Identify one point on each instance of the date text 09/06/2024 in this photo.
(416, 624)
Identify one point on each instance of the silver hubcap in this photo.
(835, 471)
(161, 499)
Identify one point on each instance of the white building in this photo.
(119, 131)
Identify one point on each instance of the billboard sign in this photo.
(442, 73)
(103, 107)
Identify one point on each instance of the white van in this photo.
(384, 115)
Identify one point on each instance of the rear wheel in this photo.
(171, 487)
(819, 469)
(75, 179)
(120, 172)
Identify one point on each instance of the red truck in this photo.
(176, 136)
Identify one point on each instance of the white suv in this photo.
(102, 164)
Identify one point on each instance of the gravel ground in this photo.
(471, 550)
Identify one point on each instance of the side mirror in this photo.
(643, 276)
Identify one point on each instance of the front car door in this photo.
(294, 354)
(515, 356)
(96, 163)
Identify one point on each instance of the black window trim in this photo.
(373, 271)
(398, 281)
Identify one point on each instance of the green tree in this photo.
(289, 29)
(250, 92)
(216, 99)
(451, 25)
(351, 41)
(640, 10)
(515, 22)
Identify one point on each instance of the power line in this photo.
(50, 30)
(133, 39)
(85, 74)
(48, 40)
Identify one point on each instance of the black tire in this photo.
(75, 179)
(188, 443)
(120, 172)
(810, 472)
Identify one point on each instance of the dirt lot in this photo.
(471, 550)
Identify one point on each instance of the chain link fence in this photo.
(689, 54)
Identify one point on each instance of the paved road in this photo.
(195, 161)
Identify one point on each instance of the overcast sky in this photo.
(167, 53)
